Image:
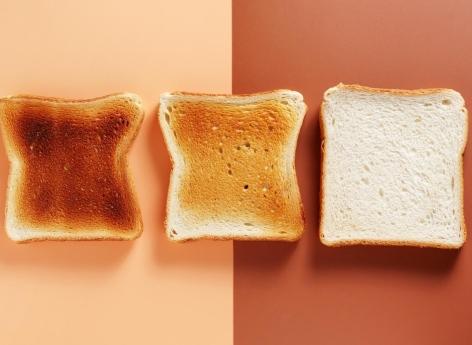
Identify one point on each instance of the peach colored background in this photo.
(144, 292)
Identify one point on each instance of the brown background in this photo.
(306, 293)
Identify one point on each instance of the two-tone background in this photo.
(151, 291)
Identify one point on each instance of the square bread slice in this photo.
(233, 171)
(69, 177)
(392, 167)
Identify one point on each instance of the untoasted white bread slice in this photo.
(69, 176)
(233, 171)
(392, 167)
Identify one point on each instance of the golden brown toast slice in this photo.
(233, 165)
(69, 177)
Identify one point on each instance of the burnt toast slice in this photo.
(69, 176)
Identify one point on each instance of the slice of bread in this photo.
(233, 171)
(69, 177)
(392, 167)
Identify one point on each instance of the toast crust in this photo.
(323, 171)
(398, 92)
(221, 151)
(69, 177)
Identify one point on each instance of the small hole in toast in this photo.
(446, 101)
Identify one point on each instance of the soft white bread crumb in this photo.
(392, 167)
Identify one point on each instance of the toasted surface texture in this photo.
(69, 176)
(392, 167)
(233, 165)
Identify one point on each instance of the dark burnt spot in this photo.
(114, 208)
(37, 134)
